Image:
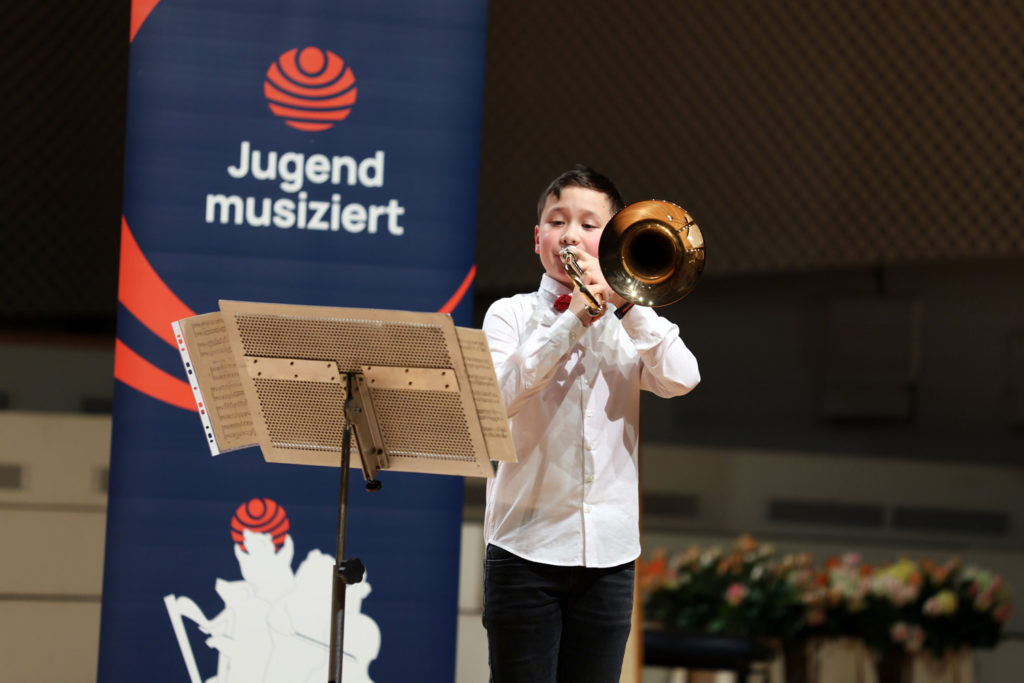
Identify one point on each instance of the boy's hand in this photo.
(593, 278)
(578, 304)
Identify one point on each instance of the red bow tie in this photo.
(562, 302)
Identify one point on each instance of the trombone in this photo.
(651, 253)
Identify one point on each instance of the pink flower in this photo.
(735, 594)
(746, 543)
(1001, 613)
(911, 635)
(915, 638)
(816, 616)
(942, 603)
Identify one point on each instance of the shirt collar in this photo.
(551, 289)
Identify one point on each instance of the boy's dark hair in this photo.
(582, 176)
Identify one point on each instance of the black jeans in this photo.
(548, 624)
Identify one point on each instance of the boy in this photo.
(562, 523)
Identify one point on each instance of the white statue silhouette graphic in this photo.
(275, 626)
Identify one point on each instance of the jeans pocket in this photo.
(497, 556)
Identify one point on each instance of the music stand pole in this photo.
(345, 571)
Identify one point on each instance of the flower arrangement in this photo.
(941, 608)
(838, 598)
(750, 590)
(744, 591)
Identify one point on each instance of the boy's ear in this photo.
(536, 239)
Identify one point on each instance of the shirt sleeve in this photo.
(526, 351)
(669, 368)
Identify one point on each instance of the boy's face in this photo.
(575, 219)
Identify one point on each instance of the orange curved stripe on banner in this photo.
(144, 293)
(140, 374)
(453, 302)
(343, 100)
(344, 82)
(140, 10)
(290, 112)
(302, 125)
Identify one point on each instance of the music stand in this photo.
(410, 391)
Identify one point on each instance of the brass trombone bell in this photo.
(652, 253)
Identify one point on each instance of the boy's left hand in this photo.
(592, 275)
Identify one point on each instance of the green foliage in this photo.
(745, 592)
(750, 591)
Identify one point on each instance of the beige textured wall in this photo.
(52, 559)
(51, 571)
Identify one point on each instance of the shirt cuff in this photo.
(569, 325)
(643, 324)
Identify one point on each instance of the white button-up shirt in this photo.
(573, 399)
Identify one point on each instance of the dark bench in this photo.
(705, 652)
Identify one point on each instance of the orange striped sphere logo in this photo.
(262, 516)
(311, 89)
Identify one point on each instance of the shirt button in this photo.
(589, 479)
(590, 446)
(587, 508)
(590, 413)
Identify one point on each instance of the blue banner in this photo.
(307, 152)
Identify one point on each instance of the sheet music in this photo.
(476, 354)
(219, 381)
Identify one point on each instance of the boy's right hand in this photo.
(578, 304)
(593, 278)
